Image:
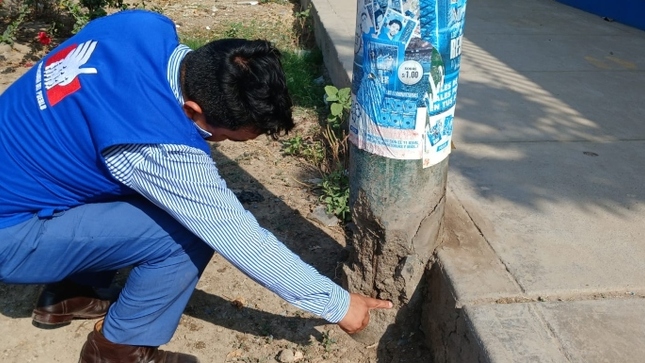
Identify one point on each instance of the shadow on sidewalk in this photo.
(553, 120)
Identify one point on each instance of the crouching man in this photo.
(105, 165)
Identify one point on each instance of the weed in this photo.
(327, 341)
(9, 35)
(65, 16)
(329, 154)
(335, 193)
(312, 151)
(335, 185)
(303, 24)
(303, 15)
(301, 69)
(340, 103)
(336, 141)
(233, 30)
(293, 146)
(193, 42)
(80, 17)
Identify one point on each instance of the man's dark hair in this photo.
(239, 83)
(396, 21)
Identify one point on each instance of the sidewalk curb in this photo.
(475, 311)
(338, 61)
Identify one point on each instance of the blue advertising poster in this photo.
(406, 67)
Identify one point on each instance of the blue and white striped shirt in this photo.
(184, 181)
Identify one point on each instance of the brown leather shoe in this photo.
(64, 301)
(97, 349)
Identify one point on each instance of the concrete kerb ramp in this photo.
(543, 260)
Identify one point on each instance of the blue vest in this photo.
(105, 86)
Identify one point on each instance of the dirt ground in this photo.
(230, 318)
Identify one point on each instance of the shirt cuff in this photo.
(338, 304)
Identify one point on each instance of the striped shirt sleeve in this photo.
(184, 181)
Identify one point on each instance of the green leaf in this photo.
(344, 93)
(336, 109)
(332, 98)
(331, 91)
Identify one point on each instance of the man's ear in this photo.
(192, 110)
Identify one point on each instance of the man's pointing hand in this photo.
(358, 315)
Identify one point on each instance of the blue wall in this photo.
(630, 12)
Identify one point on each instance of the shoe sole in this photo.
(53, 321)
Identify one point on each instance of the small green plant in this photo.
(327, 341)
(303, 25)
(233, 30)
(9, 35)
(329, 153)
(76, 11)
(335, 184)
(293, 146)
(311, 150)
(244, 30)
(314, 152)
(340, 103)
(303, 15)
(335, 193)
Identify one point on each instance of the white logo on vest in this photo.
(61, 72)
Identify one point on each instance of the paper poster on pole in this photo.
(406, 66)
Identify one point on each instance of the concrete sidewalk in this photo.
(546, 204)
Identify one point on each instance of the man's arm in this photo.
(184, 181)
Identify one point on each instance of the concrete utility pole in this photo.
(406, 66)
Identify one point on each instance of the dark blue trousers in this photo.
(90, 242)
